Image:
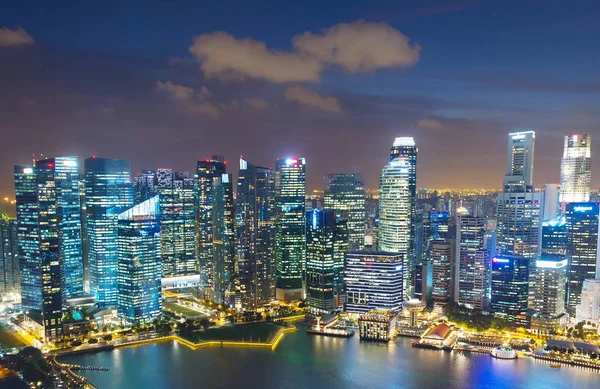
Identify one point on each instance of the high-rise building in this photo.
(589, 307)
(510, 275)
(49, 234)
(177, 223)
(345, 193)
(108, 193)
(551, 285)
(326, 244)
(397, 197)
(255, 233)
(290, 228)
(206, 172)
(438, 224)
(441, 257)
(549, 202)
(475, 271)
(555, 236)
(576, 170)
(373, 280)
(9, 259)
(223, 283)
(139, 288)
(582, 248)
(145, 186)
(518, 219)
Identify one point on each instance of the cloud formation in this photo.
(430, 124)
(255, 103)
(312, 99)
(16, 37)
(355, 47)
(194, 101)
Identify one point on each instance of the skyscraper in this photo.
(9, 259)
(576, 170)
(255, 233)
(397, 197)
(49, 234)
(550, 285)
(145, 186)
(518, 213)
(177, 223)
(290, 228)
(441, 257)
(510, 275)
(139, 289)
(206, 172)
(108, 192)
(555, 236)
(223, 262)
(474, 278)
(589, 307)
(345, 193)
(582, 248)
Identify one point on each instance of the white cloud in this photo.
(310, 98)
(16, 37)
(193, 101)
(176, 91)
(355, 47)
(255, 103)
(430, 124)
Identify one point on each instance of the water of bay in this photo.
(314, 362)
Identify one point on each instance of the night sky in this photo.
(165, 83)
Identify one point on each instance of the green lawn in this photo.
(8, 339)
(181, 310)
(262, 331)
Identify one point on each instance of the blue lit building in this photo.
(9, 259)
(145, 186)
(108, 192)
(438, 224)
(225, 288)
(555, 236)
(510, 277)
(139, 288)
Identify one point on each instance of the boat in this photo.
(554, 365)
(504, 353)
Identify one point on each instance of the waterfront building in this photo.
(518, 219)
(177, 223)
(472, 253)
(441, 257)
(345, 193)
(255, 234)
(225, 290)
(290, 228)
(9, 259)
(108, 192)
(206, 172)
(551, 285)
(576, 170)
(397, 197)
(326, 244)
(589, 307)
(582, 248)
(145, 186)
(438, 336)
(373, 280)
(378, 325)
(555, 236)
(414, 307)
(510, 275)
(139, 290)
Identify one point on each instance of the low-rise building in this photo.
(377, 325)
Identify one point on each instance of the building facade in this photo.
(475, 270)
(551, 285)
(145, 186)
(576, 170)
(9, 259)
(510, 276)
(589, 307)
(441, 257)
(225, 289)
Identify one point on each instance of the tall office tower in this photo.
(206, 172)
(576, 170)
(326, 244)
(373, 280)
(441, 257)
(9, 259)
(589, 307)
(555, 236)
(518, 214)
(145, 186)
(397, 197)
(255, 233)
(49, 234)
(108, 193)
(85, 247)
(438, 224)
(582, 248)
(345, 193)
(290, 228)
(551, 285)
(549, 202)
(177, 223)
(223, 262)
(475, 271)
(139, 297)
(510, 275)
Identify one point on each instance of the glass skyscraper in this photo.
(441, 256)
(177, 223)
(139, 288)
(510, 275)
(206, 172)
(9, 259)
(555, 236)
(397, 198)
(108, 192)
(576, 170)
(224, 284)
(255, 233)
(145, 186)
(345, 193)
(551, 283)
(582, 248)
(290, 228)
(475, 271)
